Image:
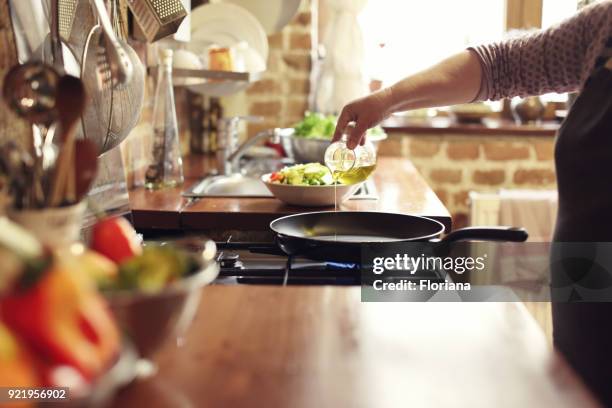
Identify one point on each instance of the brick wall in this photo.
(453, 165)
(281, 96)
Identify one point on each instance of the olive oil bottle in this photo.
(349, 166)
(354, 175)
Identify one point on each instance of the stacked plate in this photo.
(227, 25)
(272, 14)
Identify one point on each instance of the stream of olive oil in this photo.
(352, 176)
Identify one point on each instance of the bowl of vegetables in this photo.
(56, 329)
(312, 135)
(154, 289)
(308, 185)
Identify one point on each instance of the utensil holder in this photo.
(57, 227)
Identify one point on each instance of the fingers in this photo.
(343, 120)
(357, 135)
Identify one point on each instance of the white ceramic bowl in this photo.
(309, 196)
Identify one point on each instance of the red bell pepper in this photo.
(277, 176)
(64, 319)
(17, 365)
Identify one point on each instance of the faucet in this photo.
(228, 154)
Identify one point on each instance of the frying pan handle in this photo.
(513, 234)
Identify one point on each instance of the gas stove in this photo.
(264, 263)
(267, 264)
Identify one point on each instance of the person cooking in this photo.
(575, 55)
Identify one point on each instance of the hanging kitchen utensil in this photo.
(127, 100)
(56, 41)
(157, 18)
(82, 24)
(53, 51)
(97, 114)
(29, 90)
(337, 236)
(113, 111)
(120, 64)
(66, 13)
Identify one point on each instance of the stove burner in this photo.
(338, 265)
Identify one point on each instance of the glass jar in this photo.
(350, 166)
(166, 164)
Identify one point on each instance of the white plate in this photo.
(309, 196)
(272, 14)
(232, 20)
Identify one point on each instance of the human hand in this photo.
(366, 113)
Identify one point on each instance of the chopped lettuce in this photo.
(320, 126)
(316, 125)
(311, 174)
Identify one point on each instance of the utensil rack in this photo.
(230, 76)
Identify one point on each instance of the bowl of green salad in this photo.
(312, 135)
(308, 185)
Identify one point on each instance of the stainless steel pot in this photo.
(309, 150)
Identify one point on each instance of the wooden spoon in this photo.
(70, 103)
(86, 166)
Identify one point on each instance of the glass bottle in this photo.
(350, 166)
(166, 165)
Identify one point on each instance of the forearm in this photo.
(455, 80)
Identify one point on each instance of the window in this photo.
(403, 37)
(555, 11)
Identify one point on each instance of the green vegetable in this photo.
(319, 126)
(154, 269)
(311, 174)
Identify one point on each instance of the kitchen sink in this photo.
(238, 185)
(235, 185)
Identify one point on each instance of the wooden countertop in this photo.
(401, 189)
(489, 126)
(261, 346)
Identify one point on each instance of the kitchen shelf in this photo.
(229, 76)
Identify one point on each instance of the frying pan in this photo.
(338, 236)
